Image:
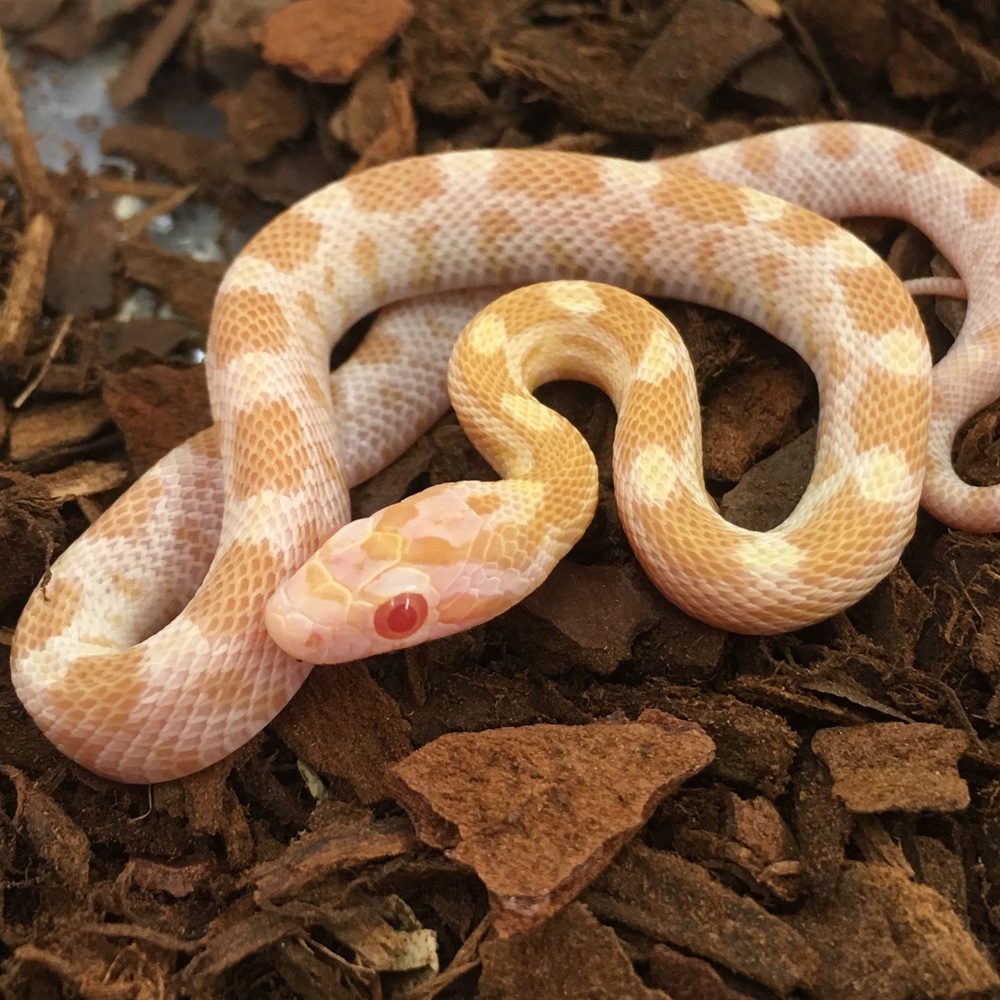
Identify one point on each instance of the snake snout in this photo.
(306, 636)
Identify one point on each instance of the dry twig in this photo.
(27, 281)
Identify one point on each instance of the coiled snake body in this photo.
(148, 655)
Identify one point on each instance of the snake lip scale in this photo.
(191, 612)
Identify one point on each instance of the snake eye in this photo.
(400, 616)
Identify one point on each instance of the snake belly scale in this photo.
(147, 656)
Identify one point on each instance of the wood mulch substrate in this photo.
(593, 796)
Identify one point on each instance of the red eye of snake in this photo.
(400, 616)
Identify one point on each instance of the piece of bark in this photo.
(133, 81)
(31, 531)
(946, 36)
(359, 120)
(774, 393)
(229, 35)
(487, 698)
(82, 260)
(771, 488)
(443, 55)
(189, 285)
(855, 39)
(53, 837)
(377, 121)
(228, 942)
(84, 479)
(26, 15)
(746, 838)
(156, 407)
(596, 611)
(822, 825)
(270, 109)
(179, 880)
(42, 429)
(370, 732)
(25, 286)
(784, 79)
(150, 335)
(943, 871)
(881, 935)
(753, 746)
(895, 765)
(188, 158)
(70, 35)
(677, 902)
(539, 811)
(688, 977)
(586, 959)
(587, 76)
(698, 48)
(341, 838)
(329, 41)
(915, 71)
(209, 804)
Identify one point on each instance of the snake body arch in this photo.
(458, 554)
(143, 665)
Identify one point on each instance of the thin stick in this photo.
(30, 174)
(23, 304)
(57, 341)
(164, 206)
(133, 81)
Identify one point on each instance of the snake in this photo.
(188, 615)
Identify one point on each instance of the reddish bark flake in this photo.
(341, 838)
(574, 950)
(331, 40)
(687, 976)
(895, 765)
(671, 900)
(372, 732)
(878, 934)
(539, 811)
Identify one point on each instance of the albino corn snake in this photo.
(208, 677)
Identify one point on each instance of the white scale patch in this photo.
(849, 251)
(760, 208)
(883, 475)
(401, 580)
(769, 554)
(488, 334)
(655, 474)
(663, 353)
(249, 274)
(575, 297)
(252, 369)
(630, 180)
(526, 411)
(902, 352)
(459, 167)
(328, 200)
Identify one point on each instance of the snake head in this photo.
(418, 570)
